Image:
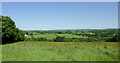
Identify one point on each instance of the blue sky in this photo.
(62, 15)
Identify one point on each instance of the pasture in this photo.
(60, 51)
(48, 36)
(52, 36)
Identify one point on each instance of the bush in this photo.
(59, 39)
(115, 38)
(36, 39)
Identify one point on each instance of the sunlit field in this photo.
(60, 51)
(52, 36)
(48, 36)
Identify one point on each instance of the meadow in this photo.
(48, 36)
(60, 51)
(53, 36)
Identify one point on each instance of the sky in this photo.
(62, 15)
(60, 0)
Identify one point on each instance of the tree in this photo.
(59, 39)
(20, 35)
(9, 31)
(0, 30)
(115, 38)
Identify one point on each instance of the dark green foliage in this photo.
(9, 31)
(115, 38)
(0, 30)
(36, 39)
(41, 39)
(59, 39)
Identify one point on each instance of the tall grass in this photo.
(0, 53)
(60, 51)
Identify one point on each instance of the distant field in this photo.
(51, 36)
(70, 36)
(60, 51)
(48, 36)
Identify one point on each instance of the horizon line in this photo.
(69, 29)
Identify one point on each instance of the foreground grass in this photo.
(0, 53)
(60, 51)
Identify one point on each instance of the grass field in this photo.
(60, 51)
(48, 36)
(52, 36)
(0, 53)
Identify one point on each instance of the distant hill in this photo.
(75, 29)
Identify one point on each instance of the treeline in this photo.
(10, 33)
(116, 38)
(87, 33)
(63, 39)
(106, 35)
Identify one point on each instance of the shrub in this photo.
(59, 39)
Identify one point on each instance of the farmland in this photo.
(105, 35)
(48, 36)
(52, 36)
(60, 51)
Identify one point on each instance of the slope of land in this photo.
(60, 51)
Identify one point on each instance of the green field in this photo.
(52, 36)
(70, 36)
(48, 36)
(60, 51)
(0, 53)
